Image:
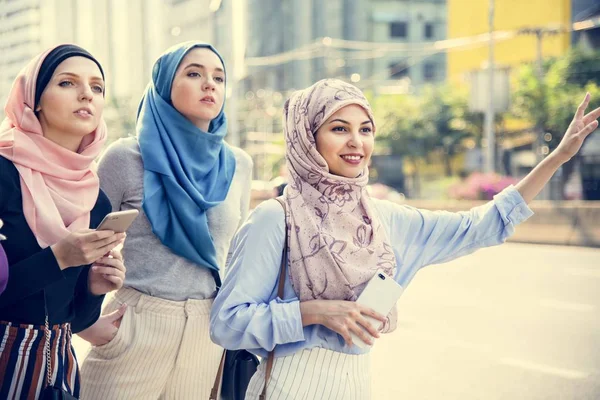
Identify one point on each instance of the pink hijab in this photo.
(59, 187)
(336, 241)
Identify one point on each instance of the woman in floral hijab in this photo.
(338, 237)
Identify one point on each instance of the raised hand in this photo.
(581, 126)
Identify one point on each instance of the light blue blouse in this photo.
(247, 314)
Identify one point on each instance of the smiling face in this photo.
(71, 105)
(346, 141)
(198, 90)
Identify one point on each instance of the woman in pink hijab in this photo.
(60, 268)
(338, 238)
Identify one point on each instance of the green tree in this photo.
(582, 67)
(446, 113)
(550, 103)
(437, 121)
(403, 131)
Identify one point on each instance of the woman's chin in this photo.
(201, 119)
(350, 175)
(348, 172)
(80, 132)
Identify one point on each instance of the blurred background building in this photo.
(403, 53)
(329, 39)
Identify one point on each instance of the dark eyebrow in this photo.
(192, 65)
(77, 76)
(348, 123)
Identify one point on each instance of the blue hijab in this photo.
(186, 170)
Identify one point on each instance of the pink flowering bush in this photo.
(479, 186)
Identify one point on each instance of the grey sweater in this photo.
(152, 268)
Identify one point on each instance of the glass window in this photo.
(398, 29)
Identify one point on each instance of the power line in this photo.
(370, 50)
(314, 49)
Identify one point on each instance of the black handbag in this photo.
(50, 392)
(235, 370)
(239, 367)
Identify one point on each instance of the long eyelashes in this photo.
(95, 88)
(343, 129)
(198, 75)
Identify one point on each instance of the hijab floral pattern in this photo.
(336, 241)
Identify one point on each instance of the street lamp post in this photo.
(489, 112)
(541, 148)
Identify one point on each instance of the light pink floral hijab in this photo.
(336, 241)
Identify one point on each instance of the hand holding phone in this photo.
(118, 221)
(381, 294)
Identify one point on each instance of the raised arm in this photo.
(579, 129)
(423, 237)
(426, 237)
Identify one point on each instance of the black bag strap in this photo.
(215, 389)
(217, 278)
(280, 290)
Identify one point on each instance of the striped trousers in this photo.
(23, 363)
(314, 374)
(162, 350)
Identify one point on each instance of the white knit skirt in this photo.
(315, 374)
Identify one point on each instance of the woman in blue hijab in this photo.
(192, 190)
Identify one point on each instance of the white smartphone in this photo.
(381, 294)
(118, 221)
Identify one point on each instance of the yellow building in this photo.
(470, 17)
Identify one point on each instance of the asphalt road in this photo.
(511, 322)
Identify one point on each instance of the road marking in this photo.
(545, 369)
(567, 306)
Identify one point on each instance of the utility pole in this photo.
(539, 134)
(541, 148)
(490, 164)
